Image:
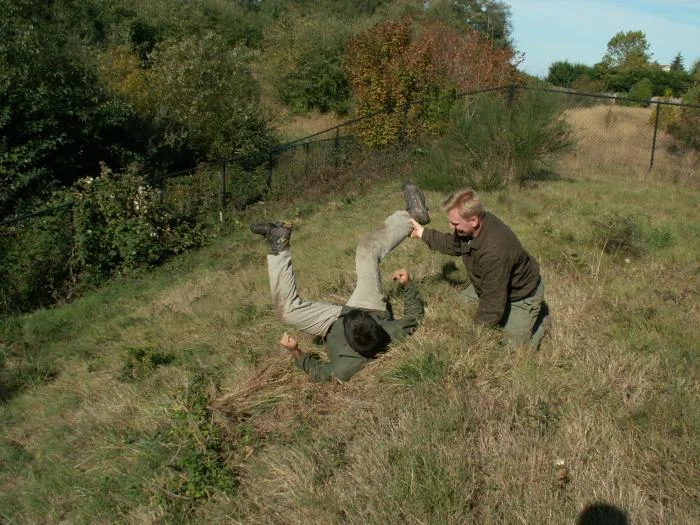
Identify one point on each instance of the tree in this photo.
(627, 50)
(203, 94)
(393, 65)
(677, 64)
(491, 18)
(564, 74)
(57, 122)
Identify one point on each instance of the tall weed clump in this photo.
(490, 142)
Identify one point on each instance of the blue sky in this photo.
(579, 30)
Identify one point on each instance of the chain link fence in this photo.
(631, 137)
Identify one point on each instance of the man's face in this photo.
(463, 227)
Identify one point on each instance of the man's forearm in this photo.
(442, 242)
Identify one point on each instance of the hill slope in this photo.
(165, 399)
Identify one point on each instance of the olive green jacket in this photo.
(343, 362)
(499, 267)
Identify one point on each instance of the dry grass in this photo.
(612, 138)
(294, 127)
(449, 427)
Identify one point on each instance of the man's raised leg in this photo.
(312, 317)
(371, 249)
(376, 245)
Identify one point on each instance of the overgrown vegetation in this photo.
(490, 143)
(394, 65)
(137, 90)
(113, 224)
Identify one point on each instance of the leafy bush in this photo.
(117, 222)
(120, 223)
(393, 65)
(200, 456)
(317, 82)
(35, 265)
(641, 92)
(687, 128)
(389, 69)
(198, 96)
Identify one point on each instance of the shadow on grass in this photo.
(446, 274)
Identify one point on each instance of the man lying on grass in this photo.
(363, 328)
(505, 279)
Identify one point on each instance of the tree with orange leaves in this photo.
(394, 68)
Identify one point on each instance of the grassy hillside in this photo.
(165, 399)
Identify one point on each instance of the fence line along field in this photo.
(619, 138)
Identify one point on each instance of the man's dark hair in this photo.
(364, 334)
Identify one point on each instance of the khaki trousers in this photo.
(521, 317)
(316, 317)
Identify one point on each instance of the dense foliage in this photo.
(396, 66)
(627, 68)
(100, 100)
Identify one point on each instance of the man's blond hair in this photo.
(467, 203)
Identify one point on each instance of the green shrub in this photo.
(200, 459)
(687, 128)
(488, 143)
(641, 91)
(117, 222)
(35, 265)
(203, 95)
(317, 82)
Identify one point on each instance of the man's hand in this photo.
(291, 344)
(417, 230)
(401, 276)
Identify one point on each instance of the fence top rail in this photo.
(46, 211)
(288, 145)
(610, 97)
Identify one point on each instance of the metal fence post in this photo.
(653, 140)
(223, 193)
(511, 94)
(336, 147)
(306, 160)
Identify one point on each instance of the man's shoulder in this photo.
(498, 231)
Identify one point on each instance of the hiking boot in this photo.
(277, 235)
(415, 203)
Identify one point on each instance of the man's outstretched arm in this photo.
(442, 242)
(319, 371)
